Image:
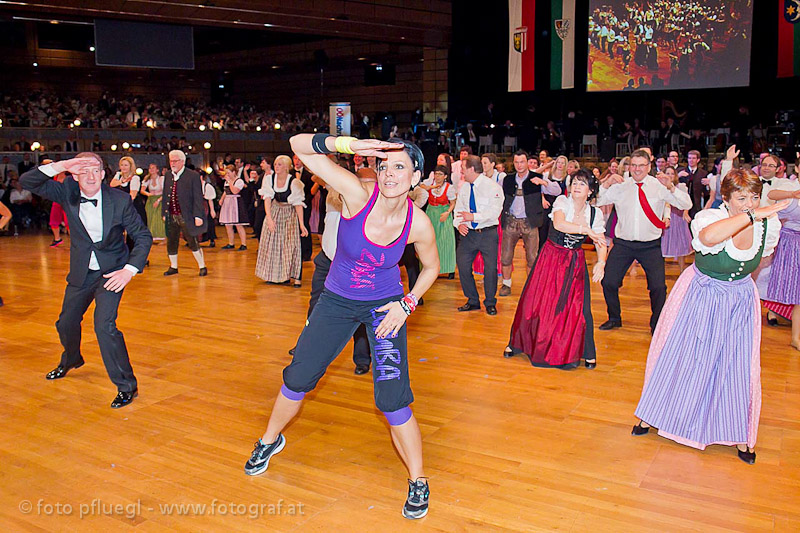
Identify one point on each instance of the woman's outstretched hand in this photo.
(373, 147)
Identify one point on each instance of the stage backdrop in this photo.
(675, 44)
(521, 34)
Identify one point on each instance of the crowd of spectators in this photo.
(51, 110)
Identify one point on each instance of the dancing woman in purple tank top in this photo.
(364, 287)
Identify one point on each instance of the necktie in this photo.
(648, 211)
(473, 207)
(85, 200)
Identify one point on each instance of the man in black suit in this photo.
(697, 180)
(100, 264)
(26, 164)
(182, 211)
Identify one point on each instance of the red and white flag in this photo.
(520, 44)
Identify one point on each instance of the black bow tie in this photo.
(87, 200)
(768, 182)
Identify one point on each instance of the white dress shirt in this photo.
(92, 219)
(488, 202)
(633, 224)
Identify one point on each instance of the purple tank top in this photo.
(361, 269)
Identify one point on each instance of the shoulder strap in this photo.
(591, 216)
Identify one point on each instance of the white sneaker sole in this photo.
(414, 517)
(266, 463)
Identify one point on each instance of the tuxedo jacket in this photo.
(190, 199)
(532, 196)
(697, 191)
(119, 216)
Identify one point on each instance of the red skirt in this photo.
(550, 325)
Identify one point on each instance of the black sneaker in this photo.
(417, 502)
(259, 460)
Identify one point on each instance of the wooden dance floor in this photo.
(507, 446)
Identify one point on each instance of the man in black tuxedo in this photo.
(182, 211)
(697, 180)
(100, 264)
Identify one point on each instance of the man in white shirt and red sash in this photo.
(638, 233)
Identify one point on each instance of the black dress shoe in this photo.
(469, 307)
(772, 322)
(361, 369)
(508, 353)
(591, 365)
(451, 275)
(203, 272)
(748, 457)
(124, 398)
(291, 351)
(610, 324)
(171, 271)
(211, 244)
(61, 371)
(639, 429)
(491, 310)
(227, 247)
(242, 248)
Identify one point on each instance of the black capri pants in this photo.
(330, 326)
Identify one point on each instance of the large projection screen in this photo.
(668, 44)
(124, 43)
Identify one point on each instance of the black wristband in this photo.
(318, 143)
(752, 218)
(405, 307)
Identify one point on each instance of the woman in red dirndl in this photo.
(553, 322)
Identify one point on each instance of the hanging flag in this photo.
(789, 39)
(562, 44)
(521, 31)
